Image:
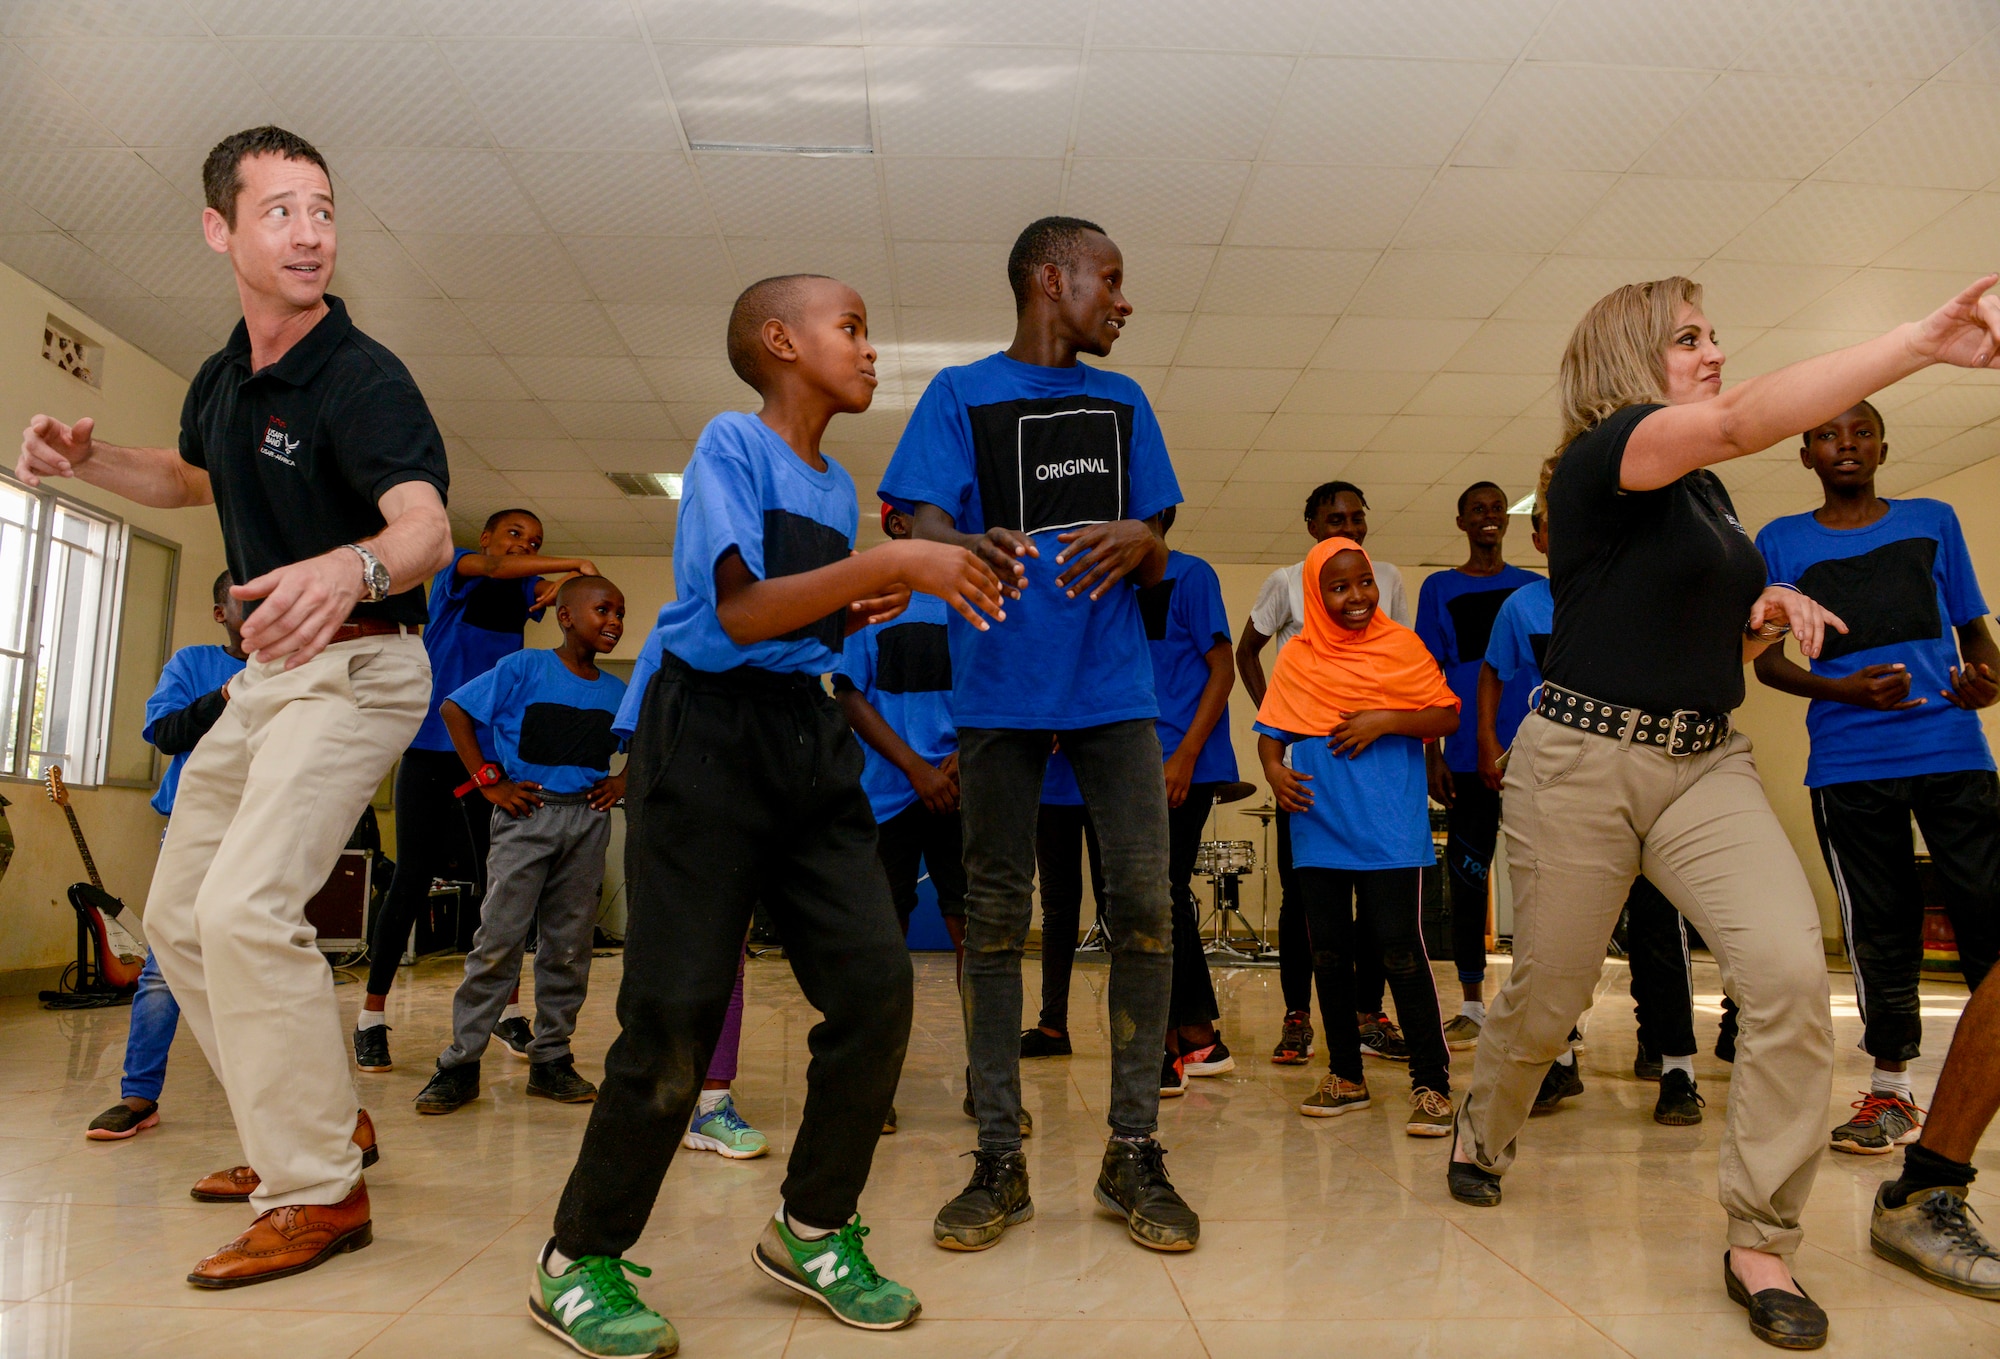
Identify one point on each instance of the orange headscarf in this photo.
(1328, 672)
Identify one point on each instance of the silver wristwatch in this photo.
(374, 575)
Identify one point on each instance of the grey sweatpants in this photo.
(552, 862)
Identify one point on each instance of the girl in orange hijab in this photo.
(1355, 697)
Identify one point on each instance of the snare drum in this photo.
(1219, 858)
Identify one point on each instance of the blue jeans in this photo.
(155, 1016)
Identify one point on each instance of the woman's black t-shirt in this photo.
(1652, 588)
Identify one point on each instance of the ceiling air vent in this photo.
(651, 485)
(75, 353)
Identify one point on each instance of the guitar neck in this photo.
(89, 865)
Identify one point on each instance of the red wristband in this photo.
(487, 775)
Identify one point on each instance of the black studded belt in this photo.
(1680, 733)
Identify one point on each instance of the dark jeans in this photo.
(1118, 768)
(743, 785)
(1295, 960)
(435, 836)
(1391, 901)
(1864, 832)
(1472, 825)
(1062, 834)
(1662, 991)
(918, 836)
(1193, 999)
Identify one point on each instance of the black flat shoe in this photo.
(1473, 1186)
(1791, 1321)
(1035, 1043)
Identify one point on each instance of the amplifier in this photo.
(339, 910)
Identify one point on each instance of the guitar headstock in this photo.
(58, 791)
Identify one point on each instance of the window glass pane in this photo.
(142, 651)
(19, 513)
(72, 632)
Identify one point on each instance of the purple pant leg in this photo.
(722, 1066)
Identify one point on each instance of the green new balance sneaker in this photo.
(593, 1308)
(834, 1270)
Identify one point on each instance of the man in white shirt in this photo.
(1336, 509)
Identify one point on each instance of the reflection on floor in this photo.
(1319, 1236)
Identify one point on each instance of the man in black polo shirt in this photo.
(322, 461)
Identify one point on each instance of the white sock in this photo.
(370, 1019)
(1474, 1010)
(554, 1262)
(1568, 1058)
(1684, 1065)
(710, 1101)
(513, 1011)
(1892, 1083)
(805, 1233)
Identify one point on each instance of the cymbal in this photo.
(1233, 792)
(1266, 813)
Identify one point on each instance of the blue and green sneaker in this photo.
(593, 1308)
(834, 1270)
(723, 1131)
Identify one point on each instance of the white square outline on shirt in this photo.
(1021, 470)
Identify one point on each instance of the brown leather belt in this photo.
(354, 629)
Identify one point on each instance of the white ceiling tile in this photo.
(1961, 239)
(1156, 202)
(17, 217)
(952, 21)
(1756, 126)
(1577, 117)
(1906, 146)
(657, 330)
(1911, 39)
(829, 21)
(465, 377)
(563, 378)
(1165, 277)
(938, 199)
(1285, 282)
(1326, 207)
(544, 327)
(1401, 466)
(1153, 338)
(1277, 479)
(1523, 210)
(638, 455)
(1658, 215)
(613, 193)
(1187, 105)
(1466, 29)
(1509, 346)
(439, 190)
(507, 268)
(695, 380)
(614, 419)
(1479, 394)
(1525, 436)
(166, 263)
(1336, 391)
(362, 93)
(1563, 287)
(157, 92)
(1737, 294)
(146, 323)
(1384, 344)
(527, 18)
(1825, 223)
(1212, 465)
(973, 101)
(36, 113)
(1956, 405)
(1226, 389)
(1704, 34)
(97, 190)
(373, 264)
(1238, 341)
(1415, 283)
(1980, 63)
(862, 265)
(1457, 434)
(1245, 26)
(769, 96)
(563, 95)
(98, 19)
(495, 419)
(288, 18)
(942, 274)
(1776, 348)
(212, 316)
(683, 269)
(1210, 429)
(557, 490)
(1286, 432)
(417, 327)
(1880, 299)
(64, 267)
(1355, 111)
(766, 196)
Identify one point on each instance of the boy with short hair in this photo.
(1050, 470)
(745, 783)
(1895, 733)
(546, 717)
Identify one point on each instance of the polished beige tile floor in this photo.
(1319, 1236)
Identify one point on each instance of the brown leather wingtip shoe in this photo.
(238, 1183)
(288, 1240)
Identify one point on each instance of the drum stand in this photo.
(1228, 927)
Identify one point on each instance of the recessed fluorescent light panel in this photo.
(649, 485)
(1525, 505)
(802, 101)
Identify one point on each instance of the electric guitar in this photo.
(116, 932)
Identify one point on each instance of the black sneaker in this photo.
(992, 1201)
(371, 1049)
(1381, 1038)
(1562, 1081)
(1133, 1183)
(449, 1088)
(1027, 1119)
(1646, 1064)
(516, 1033)
(1035, 1043)
(1680, 1104)
(558, 1081)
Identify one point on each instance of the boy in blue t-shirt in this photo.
(1050, 469)
(1895, 733)
(189, 698)
(745, 785)
(479, 609)
(1455, 611)
(534, 732)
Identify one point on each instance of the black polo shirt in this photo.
(299, 454)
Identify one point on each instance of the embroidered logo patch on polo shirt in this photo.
(277, 444)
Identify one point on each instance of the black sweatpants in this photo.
(1662, 991)
(436, 837)
(1390, 900)
(1295, 960)
(1194, 990)
(915, 839)
(1864, 832)
(1062, 835)
(1472, 825)
(743, 785)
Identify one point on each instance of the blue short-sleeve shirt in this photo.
(903, 668)
(1455, 615)
(545, 723)
(1004, 444)
(1369, 812)
(475, 622)
(1520, 639)
(1184, 619)
(189, 674)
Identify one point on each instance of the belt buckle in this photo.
(1681, 715)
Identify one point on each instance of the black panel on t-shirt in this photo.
(555, 733)
(1885, 596)
(1053, 462)
(1472, 615)
(794, 544)
(497, 606)
(1154, 601)
(913, 658)
(1652, 588)
(1538, 643)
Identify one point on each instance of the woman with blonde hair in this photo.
(1629, 764)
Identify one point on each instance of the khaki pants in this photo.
(1584, 815)
(266, 802)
